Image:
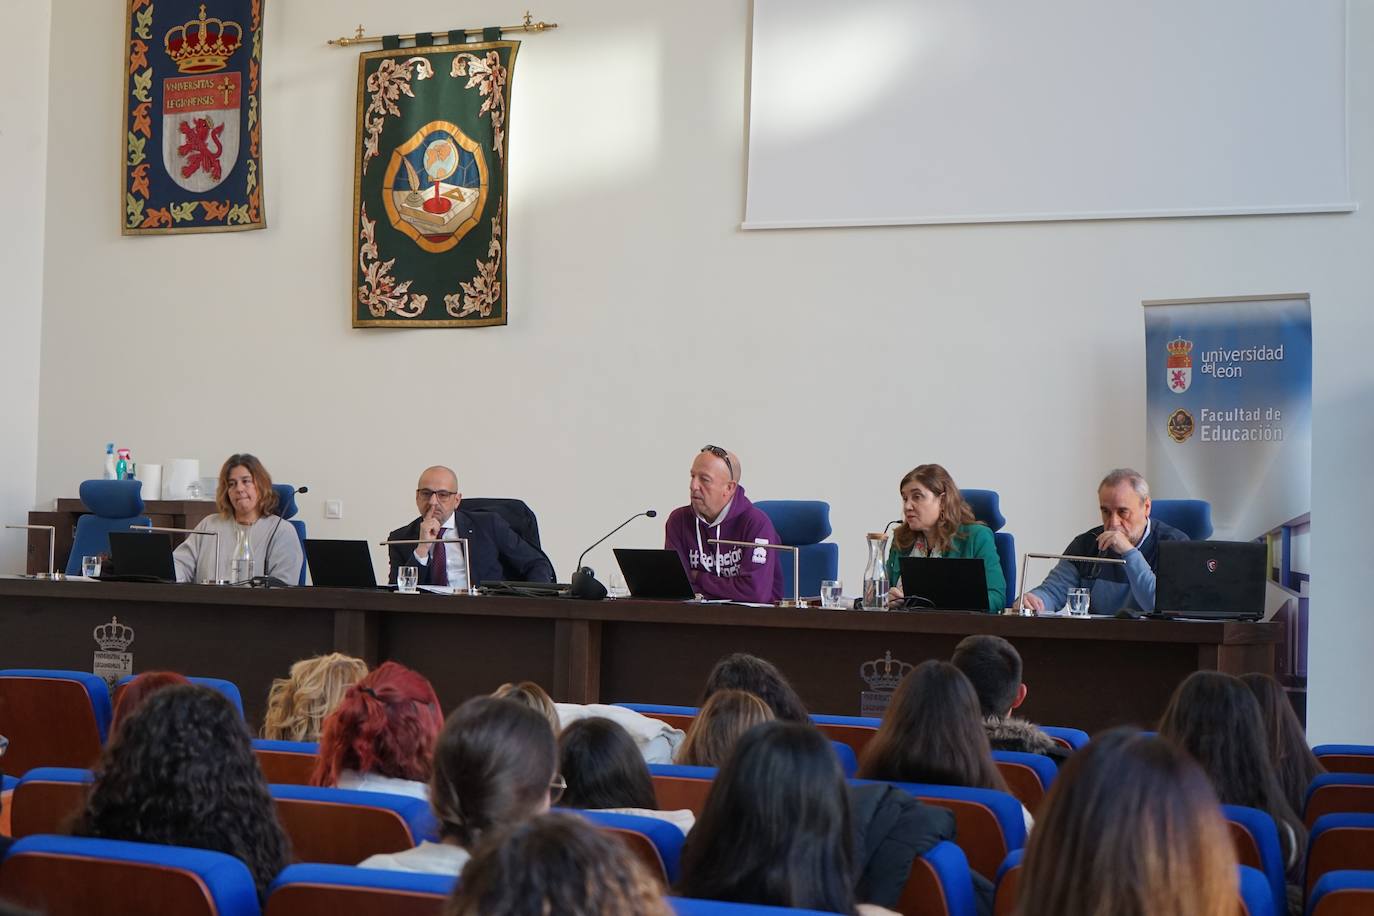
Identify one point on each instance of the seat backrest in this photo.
(331, 890)
(1071, 738)
(1005, 543)
(113, 505)
(849, 761)
(52, 718)
(47, 799)
(1191, 516)
(804, 524)
(74, 876)
(1339, 842)
(343, 826)
(1345, 758)
(677, 787)
(1333, 793)
(286, 762)
(1029, 776)
(686, 906)
(514, 511)
(1008, 884)
(657, 843)
(1256, 897)
(856, 736)
(1257, 845)
(228, 688)
(1342, 893)
(987, 508)
(988, 824)
(939, 884)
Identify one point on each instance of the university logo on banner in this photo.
(1179, 366)
(192, 134)
(429, 221)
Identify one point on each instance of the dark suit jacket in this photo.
(497, 551)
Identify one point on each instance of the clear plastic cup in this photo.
(408, 579)
(90, 567)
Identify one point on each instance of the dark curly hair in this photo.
(181, 772)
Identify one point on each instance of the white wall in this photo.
(645, 324)
(23, 161)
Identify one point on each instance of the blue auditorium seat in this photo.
(1342, 893)
(804, 524)
(53, 717)
(666, 838)
(114, 506)
(286, 508)
(1339, 842)
(1029, 776)
(1075, 738)
(939, 884)
(1256, 894)
(228, 688)
(1191, 516)
(987, 508)
(345, 826)
(1262, 850)
(345, 889)
(686, 906)
(988, 823)
(47, 798)
(1345, 758)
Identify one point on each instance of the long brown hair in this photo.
(1294, 763)
(1130, 828)
(712, 736)
(267, 497)
(933, 732)
(953, 510)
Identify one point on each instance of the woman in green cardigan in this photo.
(936, 522)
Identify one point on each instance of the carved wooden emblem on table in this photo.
(113, 660)
(882, 675)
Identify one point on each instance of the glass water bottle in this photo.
(875, 574)
(241, 566)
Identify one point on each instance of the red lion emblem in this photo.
(1176, 378)
(196, 149)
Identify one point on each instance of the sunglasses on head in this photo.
(723, 455)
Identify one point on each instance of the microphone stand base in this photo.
(216, 582)
(50, 577)
(788, 602)
(469, 591)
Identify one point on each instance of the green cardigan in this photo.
(970, 542)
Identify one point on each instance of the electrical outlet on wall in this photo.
(333, 508)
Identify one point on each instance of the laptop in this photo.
(141, 557)
(654, 574)
(340, 564)
(948, 583)
(1214, 580)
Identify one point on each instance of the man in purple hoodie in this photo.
(719, 509)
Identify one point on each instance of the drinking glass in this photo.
(90, 567)
(831, 593)
(407, 578)
(616, 587)
(1078, 602)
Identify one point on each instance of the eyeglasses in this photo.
(723, 455)
(556, 788)
(427, 495)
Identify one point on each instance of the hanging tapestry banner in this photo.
(192, 141)
(429, 185)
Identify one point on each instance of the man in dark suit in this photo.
(497, 551)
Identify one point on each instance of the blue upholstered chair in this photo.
(1257, 845)
(1339, 842)
(1255, 893)
(289, 763)
(988, 823)
(1007, 884)
(287, 509)
(645, 834)
(64, 874)
(47, 798)
(345, 826)
(804, 524)
(1191, 516)
(1072, 738)
(228, 688)
(1342, 893)
(313, 889)
(939, 883)
(52, 717)
(987, 508)
(114, 505)
(686, 906)
(1345, 758)
(1029, 776)
(1338, 793)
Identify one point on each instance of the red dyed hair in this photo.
(386, 724)
(133, 694)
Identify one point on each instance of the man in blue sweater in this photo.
(1127, 533)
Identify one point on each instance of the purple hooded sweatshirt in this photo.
(721, 570)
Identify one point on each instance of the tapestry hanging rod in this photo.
(529, 25)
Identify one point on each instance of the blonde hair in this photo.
(528, 693)
(726, 715)
(298, 705)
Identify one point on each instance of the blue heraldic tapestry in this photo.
(429, 192)
(192, 141)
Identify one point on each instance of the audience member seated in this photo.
(494, 765)
(776, 829)
(1294, 763)
(993, 666)
(559, 864)
(381, 736)
(137, 692)
(181, 772)
(530, 694)
(742, 671)
(933, 732)
(1216, 718)
(936, 522)
(246, 503)
(718, 726)
(1130, 828)
(297, 705)
(893, 828)
(604, 771)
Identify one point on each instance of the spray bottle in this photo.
(109, 461)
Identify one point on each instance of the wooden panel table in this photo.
(1086, 673)
(164, 513)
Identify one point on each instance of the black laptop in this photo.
(947, 583)
(1215, 580)
(141, 557)
(654, 574)
(340, 564)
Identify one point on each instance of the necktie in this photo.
(438, 562)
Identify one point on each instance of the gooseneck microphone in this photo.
(584, 583)
(889, 525)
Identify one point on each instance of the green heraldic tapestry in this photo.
(429, 194)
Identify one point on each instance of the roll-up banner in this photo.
(1229, 420)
